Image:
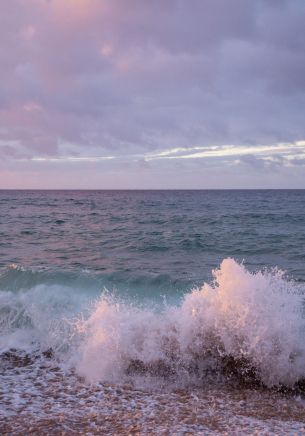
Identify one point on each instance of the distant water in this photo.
(157, 238)
(176, 289)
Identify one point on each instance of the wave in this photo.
(245, 325)
(17, 278)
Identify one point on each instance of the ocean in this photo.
(152, 312)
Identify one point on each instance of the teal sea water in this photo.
(150, 287)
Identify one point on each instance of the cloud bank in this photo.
(152, 94)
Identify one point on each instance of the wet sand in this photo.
(40, 398)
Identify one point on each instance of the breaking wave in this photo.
(245, 325)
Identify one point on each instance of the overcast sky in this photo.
(152, 94)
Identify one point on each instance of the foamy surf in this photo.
(243, 324)
(248, 323)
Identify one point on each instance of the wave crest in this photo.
(250, 321)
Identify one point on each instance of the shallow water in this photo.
(112, 319)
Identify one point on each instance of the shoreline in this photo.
(48, 400)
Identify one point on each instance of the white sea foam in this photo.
(257, 318)
(254, 319)
(38, 318)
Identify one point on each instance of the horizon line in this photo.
(151, 189)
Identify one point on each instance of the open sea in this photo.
(152, 312)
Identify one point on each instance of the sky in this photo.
(152, 94)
